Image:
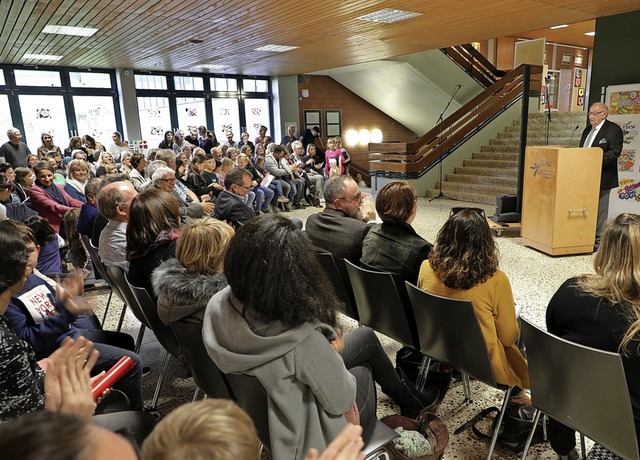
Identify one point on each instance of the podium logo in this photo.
(542, 168)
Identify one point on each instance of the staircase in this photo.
(494, 170)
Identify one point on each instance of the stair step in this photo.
(480, 171)
(504, 156)
(465, 196)
(559, 131)
(483, 180)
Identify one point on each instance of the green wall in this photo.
(616, 52)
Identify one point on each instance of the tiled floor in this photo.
(534, 277)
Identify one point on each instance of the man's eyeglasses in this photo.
(594, 114)
(244, 187)
(168, 180)
(356, 197)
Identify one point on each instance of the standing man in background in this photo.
(15, 151)
(606, 135)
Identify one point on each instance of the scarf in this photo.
(54, 192)
(79, 186)
(165, 237)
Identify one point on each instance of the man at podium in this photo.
(606, 135)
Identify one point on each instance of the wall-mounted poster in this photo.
(577, 60)
(566, 58)
(313, 118)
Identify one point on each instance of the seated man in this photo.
(336, 229)
(89, 210)
(114, 201)
(231, 204)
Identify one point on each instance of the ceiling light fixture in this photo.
(212, 66)
(66, 30)
(42, 57)
(590, 34)
(561, 26)
(388, 16)
(276, 48)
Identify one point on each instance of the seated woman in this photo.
(77, 177)
(264, 195)
(185, 285)
(394, 246)
(48, 244)
(288, 339)
(195, 179)
(464, 265)
(602, 310)
(152, 231)
(105, 164)
(47, 145)
(136, 174)
(48, 199)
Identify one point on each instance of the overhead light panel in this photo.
(590, 34)
(42, 57)
(388, 16)
(66, 30)
(561, 26)
(276, 48)
(212, 66)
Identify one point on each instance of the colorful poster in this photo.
(624, 109)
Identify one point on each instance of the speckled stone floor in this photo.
(534, 277)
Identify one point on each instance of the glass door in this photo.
(42, 113)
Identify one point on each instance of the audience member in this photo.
(105, 164)
(231, 205)
(48, 199)
(346, 157)
(77, 177)
(262, 137)
(312, 136)
(152, 231)
(114, 203)
(118, 146)
(48, 246)
(289, 138)
(167, 141)
(464, 265)
(203, 141)
(185, 284)
(288, 339)
(89, 210)
(335, 154)
(15, 151)
(281, 173)
(245, 142)
(75, 143)
(92, 147)
(47, 145)
(264, 195)
(136, 174)
(178, 142)
(394, 246)
(336, 229)
(602, 310)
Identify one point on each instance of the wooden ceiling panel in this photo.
(154, 35)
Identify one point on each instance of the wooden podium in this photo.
(560, 199)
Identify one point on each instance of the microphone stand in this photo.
(548, 125)
(440, 158)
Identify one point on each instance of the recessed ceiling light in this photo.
(276, 48)
(388, 15)
(66, 30)
(212, 66)
(196, 41)
(561, 26)
(590, 34)
(42, 57)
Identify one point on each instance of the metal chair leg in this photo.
(195, 394)
(421, 381)
(156, 394)
(106, 309)
(583, 447)
(498, 424)
(466, 386)
(124, 310)
(139, 338)
(536, 417)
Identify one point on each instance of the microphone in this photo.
(574, 131)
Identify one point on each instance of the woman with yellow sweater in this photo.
(464, 265)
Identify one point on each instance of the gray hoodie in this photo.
(309, 389)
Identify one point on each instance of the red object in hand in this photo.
(124, 365)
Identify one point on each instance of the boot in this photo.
(521, 399)
(410, 406)
(573, 455)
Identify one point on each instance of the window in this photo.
(42, 113)
(89, 80)
(151, 82)
(255, 86)
(224, 84)
(191, 113)
(2, 83)
(226, 116)
(188, 83)
(155, 119)
(95, 116)
(37, 78)
(257, 113)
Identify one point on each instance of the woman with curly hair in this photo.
(289, 340)
(464, 265)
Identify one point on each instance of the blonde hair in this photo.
(617, 277)
(203, 244)
(77, 165)
(203, 430)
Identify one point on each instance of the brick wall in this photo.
(326, 93)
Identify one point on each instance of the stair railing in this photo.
(474, 64)
(413, 159)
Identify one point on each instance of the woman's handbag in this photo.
(428, 425)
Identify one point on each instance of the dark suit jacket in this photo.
(609, 139)
(231, 208)
(335, 232)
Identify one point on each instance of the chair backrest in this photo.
(116, 276)
(339, 279)
(163, 333)
(450, 332)
(101, 267)
(380, 306)
(204, 371)
(252, 397)
(583, 388)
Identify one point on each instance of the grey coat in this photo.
(309, 389)
(181, 294)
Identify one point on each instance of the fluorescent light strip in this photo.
(42, 57)
(212, 66)
(66, 30)
(276, 48)
(561, 26)
(388, 16)
(590, 34)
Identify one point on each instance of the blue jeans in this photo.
(131, 383)
(276, 187)
(264, 196)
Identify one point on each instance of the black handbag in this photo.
(408, 362)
